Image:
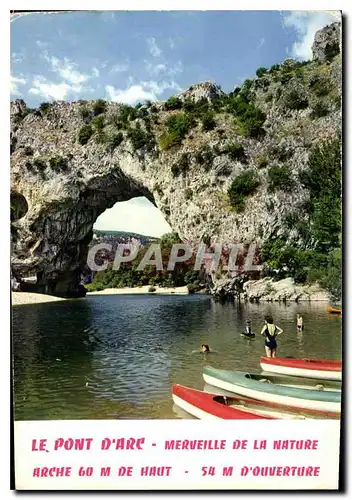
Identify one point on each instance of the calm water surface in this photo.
(106, 357)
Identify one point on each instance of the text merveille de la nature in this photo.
(114, 445)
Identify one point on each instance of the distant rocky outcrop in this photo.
(72, 161)
(327, 43)
(206, 90)
(268, 290)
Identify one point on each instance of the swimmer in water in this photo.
(204, 348)
(299, 323)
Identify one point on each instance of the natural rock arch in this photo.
(57, 229)
(72, 161)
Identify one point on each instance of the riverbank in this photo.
(270, 290)
(181, 290)
(25, 298)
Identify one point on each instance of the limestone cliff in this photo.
(72, 161)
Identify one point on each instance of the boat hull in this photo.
(309, 368)
(201, 405)
(242, 384)
(334, 310)
(205, 405)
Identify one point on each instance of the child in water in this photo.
(248, 330)
(299, 322)
(204, 348)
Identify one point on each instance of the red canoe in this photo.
(210, 406)
(325, 369)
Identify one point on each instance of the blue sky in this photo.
(134, 56)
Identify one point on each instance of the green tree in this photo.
(243, 185)
(260, 72)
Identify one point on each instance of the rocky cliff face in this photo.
(72, 161)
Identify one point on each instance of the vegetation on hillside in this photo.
(129, 276)
(304, 92)
(321, 259)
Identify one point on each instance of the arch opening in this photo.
(58, 238)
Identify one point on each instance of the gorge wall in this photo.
(72, 161)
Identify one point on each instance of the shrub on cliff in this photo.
(45, 107)
(262, 161)
(245, 91)
(125, 114)
(98, 122)
(140, 138)
(243, 185)
(235, 151)
(205, 157)
(85, 134)
(196, 109)
(274, 68)
(99, 107)
(114, 141)
(58, 163)
(178, 126)
(252, 121)
(260, 72)
(39, 164)
(173, 103)
(208, 121)
(262, 83)
(101, 137)
(295, 100)
(280, 178)
(251, 117)
(17, 119)
(323, 174)
(331, 50)
(322, 178)
(188, 194)
(28, 151)
(85, 113)
(321, 86)
(142, 113)
(181, 166)
(319, 110)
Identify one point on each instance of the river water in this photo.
(117, 356)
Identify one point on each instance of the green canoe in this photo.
(288, 391)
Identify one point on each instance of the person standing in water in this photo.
(248, 330)
(299, 322)
(270, 331)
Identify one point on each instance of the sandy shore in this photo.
(22, 298)
(181, 290)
